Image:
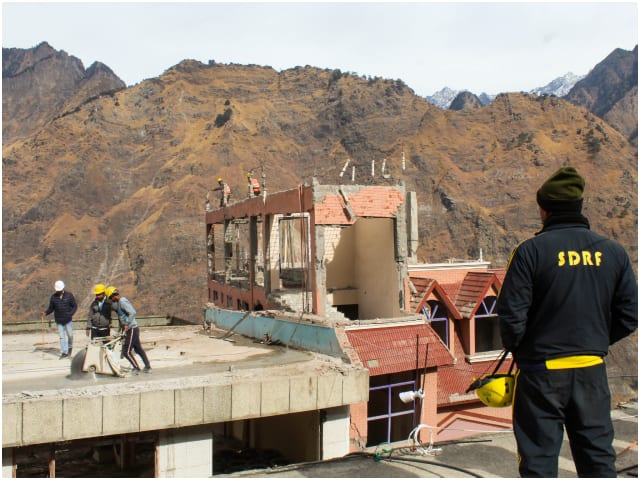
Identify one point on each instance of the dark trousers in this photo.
(100, 332)
(578, 399)
(132, 344)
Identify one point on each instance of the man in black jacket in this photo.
(64, 306)
(99, 319)
(567, 295)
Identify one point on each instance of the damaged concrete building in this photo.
(322, 285)
(333, 269)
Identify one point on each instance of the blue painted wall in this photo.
(293, 334)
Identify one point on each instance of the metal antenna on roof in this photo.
(424, 374)
(417, 359)
(346, 164)
(403, 161)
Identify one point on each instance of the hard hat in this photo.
(249, 175)
(98, 289)
(219, 179)
(59, 286)
(111, 290)
(496, 390)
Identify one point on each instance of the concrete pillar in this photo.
(228, 249)
(186, 452)
(412, 224)
(358, 429)
(8, 468)
(335, 432)
(319, 296)
(253, 252)
(429, 414)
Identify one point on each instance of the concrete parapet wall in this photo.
(36, 421)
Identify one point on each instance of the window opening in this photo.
(219, 246)
(389, 420)
(487, 327)
(210, 251)
(437, 316)
(294, 251)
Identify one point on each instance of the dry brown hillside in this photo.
(114, 191)
(41, 83)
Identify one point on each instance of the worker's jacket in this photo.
(99, 315)
(224, 189)
(255, 186)
(63, 307)
(127, 313)
(567, 292)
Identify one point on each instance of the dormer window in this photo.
(487, 328)
(437, 316)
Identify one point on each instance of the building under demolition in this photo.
(332, 269)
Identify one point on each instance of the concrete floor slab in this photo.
(197, 378)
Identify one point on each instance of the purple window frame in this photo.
(432, 317)
(389, 415)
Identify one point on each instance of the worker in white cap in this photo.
(63, 305)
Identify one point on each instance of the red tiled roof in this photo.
(422, 286)
(425, 288)
(473, 289)
(393, 349)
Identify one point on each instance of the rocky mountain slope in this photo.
(465, 101)
(41, 84)
(611, 91)
(113, 189)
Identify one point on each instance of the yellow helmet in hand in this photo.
(496, 390)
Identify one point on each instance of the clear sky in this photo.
(480, 47)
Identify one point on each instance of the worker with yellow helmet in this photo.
(225, 192)
(99, 318)
(132, 343)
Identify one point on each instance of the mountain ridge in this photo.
(31, 99)
(113, 189)
(609, 90)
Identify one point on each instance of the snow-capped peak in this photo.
(560, 86)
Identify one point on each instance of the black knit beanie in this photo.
(562, 192)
